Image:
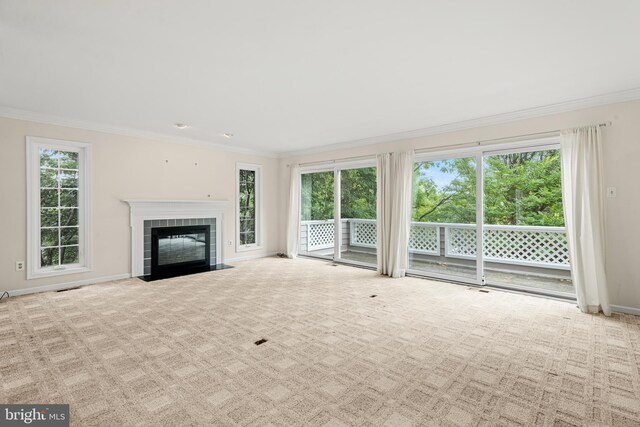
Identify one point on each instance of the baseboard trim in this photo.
(67, 285)
(625, 310)
(248, 257)
(93, 281)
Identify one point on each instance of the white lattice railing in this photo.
(510, 244)
(363, 232)
(544, 247)
(424, 237)
(320, 234)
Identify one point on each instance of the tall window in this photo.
(358, 215)
(338, 212)
(57, 207)
(248, 208)
(514, 238)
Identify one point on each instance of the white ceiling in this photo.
(285, 75)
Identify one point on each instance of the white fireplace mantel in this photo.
(143, 210)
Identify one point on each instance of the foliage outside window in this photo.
(57, 207)
(357, 194)
(248, 206)
(316, 190)
(444, 191)
(521, 188)
(59, 226)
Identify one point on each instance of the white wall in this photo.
(124, 168)
(127, 167)
(622, 169)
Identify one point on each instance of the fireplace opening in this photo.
(180, 250)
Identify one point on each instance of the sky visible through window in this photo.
(440, 179)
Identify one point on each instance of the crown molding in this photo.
(529, 113)
(13, 113)
(562, 107)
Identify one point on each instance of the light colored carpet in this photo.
(181, 352)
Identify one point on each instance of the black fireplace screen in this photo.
(174, 248)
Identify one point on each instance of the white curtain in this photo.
(383, 211)
(582, 194)
(293, 219)
(395, 177)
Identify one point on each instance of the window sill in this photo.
(42, 273)
(248, 248)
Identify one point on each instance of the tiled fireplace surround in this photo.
(147, 214)
(160, 223)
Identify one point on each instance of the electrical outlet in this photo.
(230, 243)
(19, 265)
(611, 192)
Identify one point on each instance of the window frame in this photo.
(336, 167)
(258, 207)
(479, 152)
(33, 147)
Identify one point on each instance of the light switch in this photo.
(611, 192)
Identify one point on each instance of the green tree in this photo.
(453, 202)
(519, 189)
(316, 196)
(524, 189)
(357, 194)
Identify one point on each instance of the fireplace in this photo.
(147, 215)
(180, 250)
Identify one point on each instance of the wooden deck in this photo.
(503, 276)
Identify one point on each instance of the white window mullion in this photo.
(337, 229)
(479, 218)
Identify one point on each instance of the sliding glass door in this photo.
(338, 213)
(500, 224)
(525, 245)
(316, 214)
(443, 235)
(478, 216)
(357, 217)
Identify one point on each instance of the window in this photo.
(492, 215)
(338, 212)
(57, 207)
(248, 206)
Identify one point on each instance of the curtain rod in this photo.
(507, 138)
(344, 159)
(440, 147)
